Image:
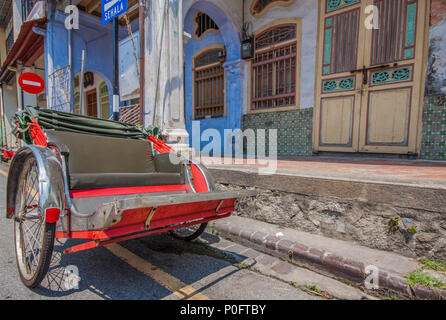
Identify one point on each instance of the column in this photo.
(164, 85)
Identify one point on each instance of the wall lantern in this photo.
(248, 48)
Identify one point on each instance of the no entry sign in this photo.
(31, 83)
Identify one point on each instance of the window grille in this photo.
(10, 41)
(204, 23)
(274, 69)
(209, 85)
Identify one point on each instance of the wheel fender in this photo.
(51, 178)
(202, 178)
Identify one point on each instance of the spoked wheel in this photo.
(34, 237)
(189, 233)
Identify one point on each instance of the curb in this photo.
(326, 262)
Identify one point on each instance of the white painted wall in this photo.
(10, 107)
(17, 17)
(128, 68)
(308, 11)
(305, 9)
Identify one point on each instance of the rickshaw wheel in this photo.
(189, 233)
(192, 232)
(34, 237)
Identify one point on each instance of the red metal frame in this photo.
(128, 236)
(79, 194)
(139, 222)
(133, 223)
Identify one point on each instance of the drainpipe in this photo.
(141, 61)
(81, 86)
(116, 70)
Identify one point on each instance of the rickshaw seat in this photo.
(98, 162)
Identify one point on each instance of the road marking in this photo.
(3, 173)
(176, 286)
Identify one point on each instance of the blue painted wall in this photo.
(91, 36)
(228, 37)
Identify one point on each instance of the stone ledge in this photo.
(425, 198)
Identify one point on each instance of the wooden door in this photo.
(92, 103)
(393, 96)
(370, 81)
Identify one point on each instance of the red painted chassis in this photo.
(152, 215)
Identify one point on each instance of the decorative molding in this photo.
(389, 76)
(207, 31)
(333, 5)
(260, 7)
(338, 84)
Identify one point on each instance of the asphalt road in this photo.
(152, 268)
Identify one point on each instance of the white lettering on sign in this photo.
(110, 4)
(113, 12)
(32, 83)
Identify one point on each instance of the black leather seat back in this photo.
(98, 154)
(104, 162)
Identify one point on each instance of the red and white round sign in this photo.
(31, 83)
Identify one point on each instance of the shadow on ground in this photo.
(106, 276)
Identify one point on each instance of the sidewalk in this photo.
(340, 259)
(410, 172)
(350, 199)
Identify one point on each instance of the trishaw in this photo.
(103, 181)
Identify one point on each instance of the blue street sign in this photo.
(112, 9)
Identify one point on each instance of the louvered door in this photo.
(370, 81)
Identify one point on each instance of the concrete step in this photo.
(342, 260)
(320, 286)
(406, 218)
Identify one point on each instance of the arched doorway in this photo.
(213, 72)
(96, 96)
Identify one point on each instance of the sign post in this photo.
(111, 10)
(116, 73)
